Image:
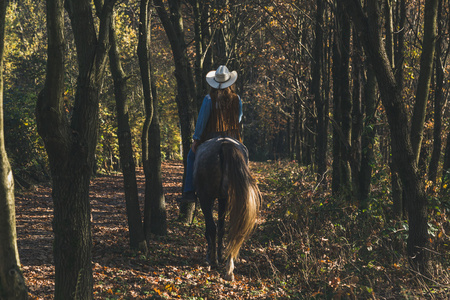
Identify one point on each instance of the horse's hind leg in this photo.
(221, 228)
(207, 207)
(229, 269)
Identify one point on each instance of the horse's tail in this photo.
(244, 198)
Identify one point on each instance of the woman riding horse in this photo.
(217, 168)
(220, 115)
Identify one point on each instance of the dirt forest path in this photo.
(175, 267)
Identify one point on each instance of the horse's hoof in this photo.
(212, 263)
(229, 277)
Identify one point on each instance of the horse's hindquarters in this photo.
(221, 171)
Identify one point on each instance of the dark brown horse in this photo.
(221, 172)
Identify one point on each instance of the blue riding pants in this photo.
(189, 180)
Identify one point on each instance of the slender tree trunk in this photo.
(399, 48)
(71, 145)
(397, 191)
(446, 171)
(321, 138)
(289, 139)
(438, 101)
(346, 106)
(336, 148)
(368, 138)
(296, 130)
(173, 26)
(155, 220)
(201, 47)
(396, 186)
(155, 211)
(136, 231)
(342, 107)
(402, 152)
(357, 124)
(12, 282)
(425, 73)
(143, 52)
(389, 31)
(310, 123)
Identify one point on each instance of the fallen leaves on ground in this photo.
(174, 268)
(307, 245)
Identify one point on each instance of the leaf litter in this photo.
(174, 268)
(307, 245)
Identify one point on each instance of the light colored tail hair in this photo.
(244, 199)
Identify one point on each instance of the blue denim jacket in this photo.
(203, 116)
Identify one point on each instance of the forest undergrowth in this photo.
(308, 245)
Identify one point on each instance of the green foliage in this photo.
(127, 31)
(24, 74)
(25, 65)
(169, 124)
(24, 147)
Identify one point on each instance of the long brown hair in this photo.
(224, 118)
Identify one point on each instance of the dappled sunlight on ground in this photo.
(175, 266)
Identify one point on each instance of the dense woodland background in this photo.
(271, 45)
(351, 99)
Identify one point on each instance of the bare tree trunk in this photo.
(12, 282)
(321, 139)
(368, 138)
(438, 101)
(389, 30)
(336, 147)
(71, 145)
(402, 152)
(425, 73)
(155, 220)
(202, 47)
(446, 170)
(154, 211)
(346, 106)
(296, 130)
(173, 26)
(144, 65)
(357, 121)
(136, 231)
(342, 123)
(397, 189)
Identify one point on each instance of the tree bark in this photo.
(154, 211)
(399, 48)
(136, 231)
(321, 139)
(342, 107)
(12, 282)
(71, 145)
(202, 47)
(155, 219)
(368, 138)
(402, 152)
(336, 146)
(438, 101)
(425, 73)
(446, 171)
(389, 29)
(296, 131)
(346, 106)
(357, 122)
(173, 26)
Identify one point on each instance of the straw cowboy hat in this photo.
(221, 78)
